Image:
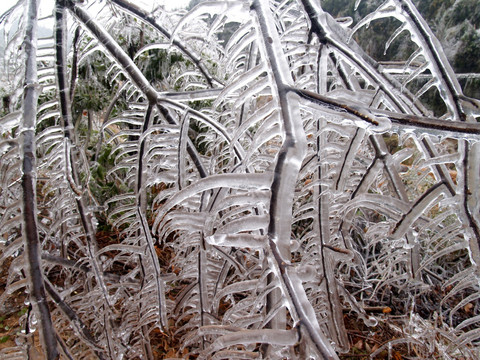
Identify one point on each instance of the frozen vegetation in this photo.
(261, 179)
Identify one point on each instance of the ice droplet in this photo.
(306, 272)
(294, 245)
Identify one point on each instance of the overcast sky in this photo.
(169, 4)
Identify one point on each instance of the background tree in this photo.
(260, 175)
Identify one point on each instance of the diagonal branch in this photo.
(75, 320)
(133, 72)
(142, 15)
(117, 52)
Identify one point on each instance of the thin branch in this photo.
(115, 50)
(452, 128)
(75, 320)
(290, 157)
(86, 217)
(141, 198)
(29, 181)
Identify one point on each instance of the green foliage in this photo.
(430, 10)
(467, 58)
(4, 339)
(466, 10)
(101, 186)
(23, 311)
(157, 64)
(339, 7)
(92, 92)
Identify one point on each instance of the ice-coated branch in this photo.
(407, 121)
(141, 208)
(74, 73)
(451, 89)
(300, 306)
(115, 50)
(75, 320)
(287, 168)
(71, 159)
(29, 182)
(142, 15)
(293, 148)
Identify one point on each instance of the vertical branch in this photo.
(145, 229)
(29, 181)
(293, 149)
(322, 224)
(288, 165)
(470, 195)
(289, 158)
(71, 170)
(73, 80)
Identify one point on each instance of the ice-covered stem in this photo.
(71, 159)
(407, 121)
(29, 182)
(288, 164)
(290, 155)
(294, 145)
(80, 327)
(302, 310)
(328, 33)
(451, 89)
(142, 15)
(333, 308)
(141, 207)
(73, 77)
(115, 50)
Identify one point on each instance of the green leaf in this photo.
(4, 338)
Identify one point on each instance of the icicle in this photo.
(238, 240)
(357, 4)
